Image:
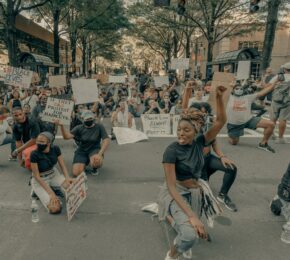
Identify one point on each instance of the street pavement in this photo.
(110, 224)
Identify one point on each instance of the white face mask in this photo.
(238, 91)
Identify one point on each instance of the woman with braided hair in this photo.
(185, 196)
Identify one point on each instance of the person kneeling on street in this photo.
(93, 141)
(45, 175)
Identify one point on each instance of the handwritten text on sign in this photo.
(18, 77)
(58, 109)
(156, 125)
(75, 195)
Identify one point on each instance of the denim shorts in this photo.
(235, 131)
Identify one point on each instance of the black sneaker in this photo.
(12, 158)
(266, 147)
(88, 169)
(225, 199)
(95, 172)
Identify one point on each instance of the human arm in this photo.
(225, 161)
(62, 165)
(268, 88)
(66, 135)
(221, 117)
(187, 93)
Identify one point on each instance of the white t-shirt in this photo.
(287, 78)
(239, 109)
(31, 100)
(3, 128)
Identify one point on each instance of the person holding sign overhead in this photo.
(92, 140)
(45, 175)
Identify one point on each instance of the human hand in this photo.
(199, 227)
(190, 84)
(14, 153)
(220, 90)
(227, 163)
(67, 182)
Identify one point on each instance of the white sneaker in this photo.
(187, 254)
(281, 141)
(168, 257)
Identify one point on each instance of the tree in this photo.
(10, 9)
(158, 28)
(219, 19)
(270, 31)
(53, 13)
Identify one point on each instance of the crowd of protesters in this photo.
(185, 162)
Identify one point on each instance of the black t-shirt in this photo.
(26, 131)
(188, 159)
(89, 138)
(284, 186)
(45, 161)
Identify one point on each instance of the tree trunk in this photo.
(187, 46)
(84, 47)
(175, 45)
(73, 43)
(11, 37)
(272, 20)
(56, 15)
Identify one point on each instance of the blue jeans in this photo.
(9, 140)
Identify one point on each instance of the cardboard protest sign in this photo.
(224, 79)
(156, 125)
(85, 90)
(75, 195)
(128, 136)
(181, 64)
(117, 79)
(244, 68)
(175, 121)
(58, 109)
(18, 77)
(161, 80)
(57, 81)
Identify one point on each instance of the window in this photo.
(251, 44)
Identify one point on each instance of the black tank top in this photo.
(16, 103)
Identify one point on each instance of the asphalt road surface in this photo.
(111, 226)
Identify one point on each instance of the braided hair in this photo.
(195, 117)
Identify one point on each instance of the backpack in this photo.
(281, 94)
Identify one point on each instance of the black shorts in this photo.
(84, 157)
(235, 131)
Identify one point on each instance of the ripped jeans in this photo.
(187, 236)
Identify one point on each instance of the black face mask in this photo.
(89, 123)
(41, 147)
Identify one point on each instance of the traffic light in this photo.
(254, 6)
(161, 3)
(181, 7)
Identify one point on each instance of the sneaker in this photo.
(88, 170)
(225, 199)
(281, 141)
(266, 147)
(95, 172)
(12, 158)
(168, 257)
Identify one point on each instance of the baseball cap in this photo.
(88, 115)
(286, 66)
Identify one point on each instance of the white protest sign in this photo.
(126, 135)
(131, 78)
(181, 64)
(18, 77)
(85, 90)
(156, 125)
(161, 80)
(75, 195)
(244, 68)
(58, 109)
(175, 121)
(117, 79)
(57, 81)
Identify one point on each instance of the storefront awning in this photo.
(36, 59)
(238, 55)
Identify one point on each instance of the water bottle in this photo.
(34, 211)
(285, 236)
